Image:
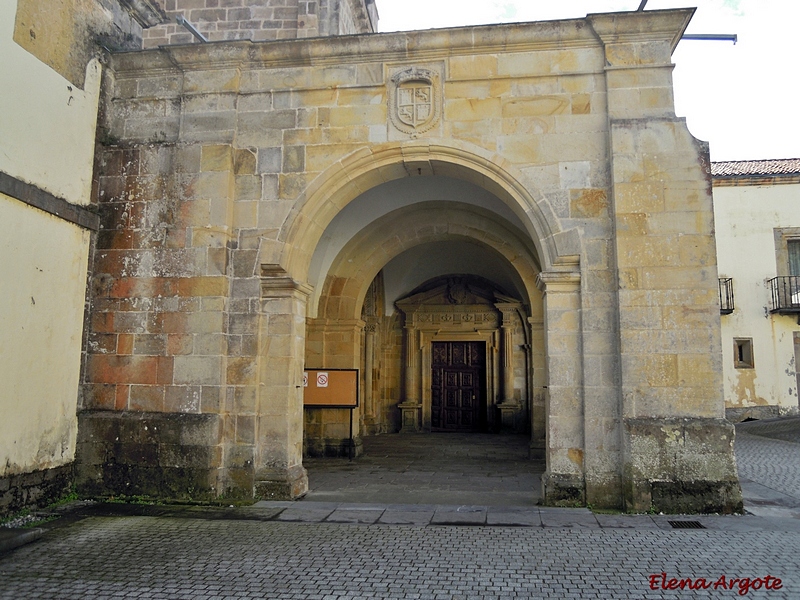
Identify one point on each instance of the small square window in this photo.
(743, 353)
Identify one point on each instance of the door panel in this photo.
(459, 373)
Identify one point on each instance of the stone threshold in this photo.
(433, 515)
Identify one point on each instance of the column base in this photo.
(281, 485)
(537, 451)
(509, 411)
(563, 490)
(410, 412)
(680, 465)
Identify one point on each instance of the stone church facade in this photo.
(503, 228)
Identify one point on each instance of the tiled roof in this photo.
(756, 168)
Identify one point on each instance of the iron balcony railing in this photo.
(725, 295)
(785, 294)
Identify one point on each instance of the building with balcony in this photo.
(757, 217)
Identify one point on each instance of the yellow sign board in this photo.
(331, 388)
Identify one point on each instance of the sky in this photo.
(743, 98)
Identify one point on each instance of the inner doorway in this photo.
(458, 384)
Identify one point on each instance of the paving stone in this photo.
(406, 517)
(177, 553)
(342, 515)
(510, 516)
(116, 557)
(305, 514)
(567, 517)
(459, 515)
(626, 521)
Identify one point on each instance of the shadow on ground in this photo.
(437, 468)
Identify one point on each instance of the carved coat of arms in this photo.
(414, 99)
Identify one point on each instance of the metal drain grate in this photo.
(686, 524)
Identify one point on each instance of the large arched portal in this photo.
(467, 215)
(426, 271)
(525, 191)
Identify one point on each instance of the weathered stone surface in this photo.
(153, 454)
(680, 465)
(530, 186)
(35, 489)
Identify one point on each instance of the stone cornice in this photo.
(755, 180)
(358, 49)
(641, 26)
(346, 325)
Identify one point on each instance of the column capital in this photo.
(277, 283)
(558, 281)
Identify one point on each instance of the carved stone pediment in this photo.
(452, 305)
(463, 317)
(454, 292)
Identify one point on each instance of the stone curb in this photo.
(11, 538)
(437, 515)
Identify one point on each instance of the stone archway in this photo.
(343, 335)
(369, 167)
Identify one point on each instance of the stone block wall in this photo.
(156, 454)
(174, 326)
(34, 489)
(261, 20)
(676, 446)
(680, 466)
(233, 159)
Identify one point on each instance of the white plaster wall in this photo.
(42, 287)
(745, 219)
(47, 125)
(47, 131)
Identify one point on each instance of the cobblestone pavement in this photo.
(768, 457)
(325, 551)
(148, 557)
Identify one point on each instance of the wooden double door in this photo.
(458, 386)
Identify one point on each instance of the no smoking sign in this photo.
(322, 380)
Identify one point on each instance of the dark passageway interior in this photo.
(437, 468)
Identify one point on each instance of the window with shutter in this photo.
(793, 247)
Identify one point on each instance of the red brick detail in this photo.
(165, 370)
(147, 398)
(99, 396)
(172, 322)
(179, 344)
(122, 396)
(125, 343)
(105, 368)
(143, 287)
(103, 322)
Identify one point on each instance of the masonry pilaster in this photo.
(677, 448)
(509, 405)
(563, 482)
(279, 471)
